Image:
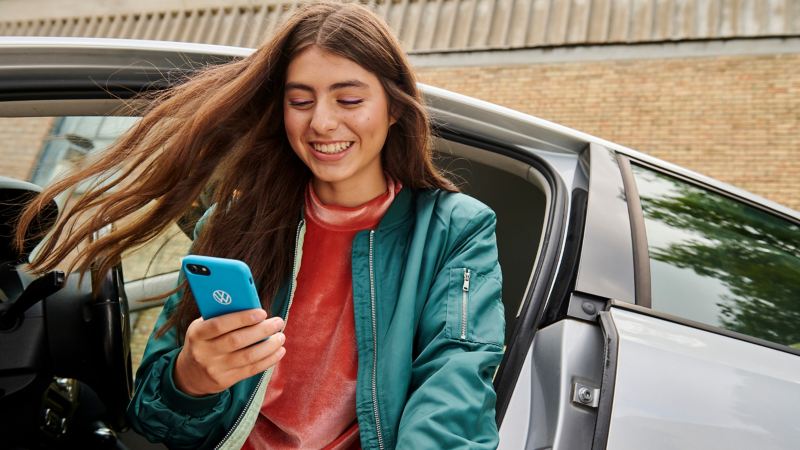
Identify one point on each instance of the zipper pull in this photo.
(466, 280)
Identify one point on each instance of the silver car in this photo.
(647, 306)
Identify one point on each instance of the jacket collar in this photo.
(400, 209)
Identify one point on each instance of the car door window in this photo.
(43, 149)
(719, 261)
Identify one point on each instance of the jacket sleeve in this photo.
(458, 346)
(159, 410)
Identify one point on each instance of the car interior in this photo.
(66, 371)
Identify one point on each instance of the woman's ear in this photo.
(394, 114)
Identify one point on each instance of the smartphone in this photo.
(220, 285)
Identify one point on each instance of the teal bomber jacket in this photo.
(429, 329)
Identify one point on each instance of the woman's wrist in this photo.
(180, 380)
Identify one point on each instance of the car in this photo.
(647, 306)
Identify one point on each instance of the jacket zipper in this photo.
(464, 304)
(285, 319)
(374, 341)
(294, 270)
(239, 419)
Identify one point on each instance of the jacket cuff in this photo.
(179, 401)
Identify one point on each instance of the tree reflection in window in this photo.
(720, 261)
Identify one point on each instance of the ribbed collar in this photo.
(342, 218)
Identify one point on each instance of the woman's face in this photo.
(337, 117)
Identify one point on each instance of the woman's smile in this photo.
(331, 151)
(333, 148)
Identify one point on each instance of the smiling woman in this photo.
(337, 118)
(317, 147)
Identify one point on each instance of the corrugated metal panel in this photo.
(457, 25)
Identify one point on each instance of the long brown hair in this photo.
(225, 126)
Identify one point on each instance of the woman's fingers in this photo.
(259, 366)
(220, 325)
(255, 353)
(245, 363)
(244, 337)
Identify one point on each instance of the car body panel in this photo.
(557, 422)
(680, 387)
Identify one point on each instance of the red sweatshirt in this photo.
(311, 399)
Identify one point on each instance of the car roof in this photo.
(34, 68)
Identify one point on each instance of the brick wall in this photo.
(732, 118)
(21, 140)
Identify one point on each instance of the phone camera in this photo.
(198, 269)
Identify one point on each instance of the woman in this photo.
(317, 146)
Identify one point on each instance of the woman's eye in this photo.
(350, 102)
(300, 103)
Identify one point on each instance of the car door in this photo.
(680, 325)
(708, 355)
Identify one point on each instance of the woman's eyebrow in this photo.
(347, 84)
(333, 87)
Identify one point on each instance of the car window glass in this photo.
(42, 149)
(719, 261)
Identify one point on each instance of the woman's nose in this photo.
(324, 119)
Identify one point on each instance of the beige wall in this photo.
(732, 118)
(21, 139)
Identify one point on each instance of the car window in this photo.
(42, 149)
(719, 261)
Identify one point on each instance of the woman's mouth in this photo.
(333, 148)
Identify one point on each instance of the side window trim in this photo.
(641, 255)
(703, 326)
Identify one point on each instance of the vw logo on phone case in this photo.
(222, 297)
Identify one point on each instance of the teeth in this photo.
(332, 148)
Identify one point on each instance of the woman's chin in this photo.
(328, 176)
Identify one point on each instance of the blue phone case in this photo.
(227, 288)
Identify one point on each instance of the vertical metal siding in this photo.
(455, 25)
(538, 21)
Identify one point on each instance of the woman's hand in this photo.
(219, 352)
